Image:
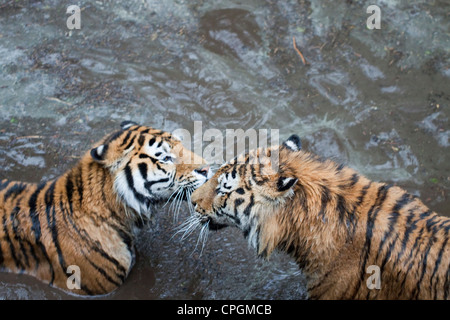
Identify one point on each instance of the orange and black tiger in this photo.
(85, 220)
(352, 237)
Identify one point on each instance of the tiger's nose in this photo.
(203, 171)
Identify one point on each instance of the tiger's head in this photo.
(149, 165)
(245, 194)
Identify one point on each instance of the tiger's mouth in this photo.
(212, 225)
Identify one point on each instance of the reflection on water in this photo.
(377, 100)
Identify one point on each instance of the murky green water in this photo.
(377, 100)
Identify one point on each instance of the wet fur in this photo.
(79, 218)
(335, 223)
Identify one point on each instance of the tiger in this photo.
(351, 237)
(77, 232)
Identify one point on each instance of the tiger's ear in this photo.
(293, 143)
(286, 183)
(99, 153)
(125, 125)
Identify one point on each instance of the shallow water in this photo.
(377, 100)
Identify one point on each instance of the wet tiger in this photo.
(85, 220)
(353, 238)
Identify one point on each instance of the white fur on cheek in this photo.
(125, 193)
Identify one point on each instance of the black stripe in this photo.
(33, 254)
(128, 174)
(227, 196)
(141, 140)
(31, 247)
(431, 224)
(356, 206)
(152, 142)
(112, 137)
(246, 231)
(424, 267)
(410, 227)
(438, 262)
(145, 156)
(371, 218)
(4, 184)
(163, 170)
(143, 170)
(238, 202)
(250, 205)
(15, 227)
(127, 239)
(104, 273)
(233, 172)
(354, 180)
(34, 215)
(131, 142)
(425, 214)
(14, 190)
(392, 220)
(362, 195)
(281, 186)
(240, 191)
(80, 184)
(412, 263)
(50, 210)
(341, 208)
(103, 176)
(17, 262)
(258, 178)
(403, 201)
(417, 244)
(324, 202)
(388, 253)
(36, 226)
(125, 140)
(69, 190)
(235, 218)
(148, 185)
(100, 286)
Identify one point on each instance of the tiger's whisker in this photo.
(171, 196)
(178, 203)
(189, 226)
(202, 237)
